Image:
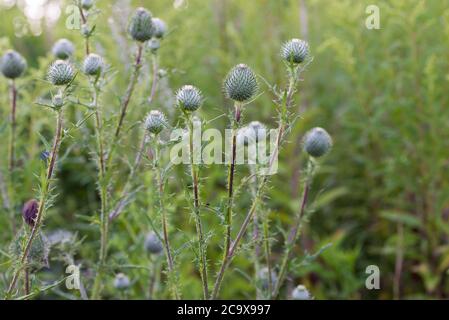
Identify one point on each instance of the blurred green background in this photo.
(381, 196)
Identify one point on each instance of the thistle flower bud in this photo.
(93, 64)
(264, 278)
(12, 64)
(85, 30)
(141, 25)
(189, 98)
(29, 212)
(87, 4)
(252, 133)
(60, 73)
(295, 51)
(121, 281)
(160, 28)
(58, 101)
(154, 45)
(317, 142)
(240, 83)
(63, 49)
(153, 244)
(301, 293)
(155, 122)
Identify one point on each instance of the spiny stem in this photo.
(129, 90)
(160, 189)
(154, 77)
(84, 20)
(197, 213)
(12, 144)
(104, 221)
(292, 237)
(285, 104)
(45, 188)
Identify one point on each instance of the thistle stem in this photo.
(227, 258)
(197, 214)
(104, 221)
(154, 77)
(12, 143)
(45, 190)
(125, 101)
(160, 189)
(292, 237)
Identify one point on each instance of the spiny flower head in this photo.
(29, 211)
(63, 49)
(121, 281)
(87, 4)
(295, 51)
(155, 122)
(240, 83)
(317, 142)
(60, 73)
(12, 64)
(141, 26)
(301, 293)
(189, 98)
(153, 244)
(93, 64)
(160, 28)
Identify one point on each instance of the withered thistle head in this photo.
(29, 211)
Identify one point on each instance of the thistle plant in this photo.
(159, 31)
(240, 85)
(141, 30)
(188, 100)
(59, 74)
(155, 122)
(84, 7)
(317, 143)
(283, 101)
(12, 66)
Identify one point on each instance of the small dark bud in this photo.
(29, 211)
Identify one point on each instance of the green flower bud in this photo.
(160, 28)
(58, 101)
(153, 244)
(63, 49)
(189, 98)
(301, 293)
(295, 51)
(60, 73)
(240, 83)
(12, 64)
(87, 4)
(155, 122)
(317, 142)
(85, 30)
(141, 26)
(154, 45)
(121, 281)
(93, 64)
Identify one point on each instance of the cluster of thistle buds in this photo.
(146, 28)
